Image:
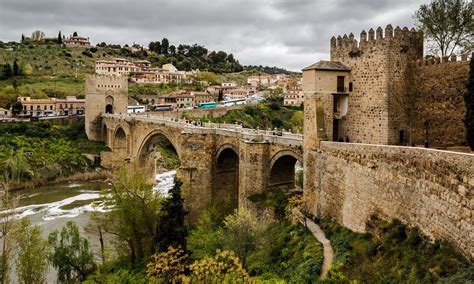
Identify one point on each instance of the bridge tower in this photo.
(104, 94)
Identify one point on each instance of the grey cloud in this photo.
(286, 33)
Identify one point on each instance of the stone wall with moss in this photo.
(428, 188)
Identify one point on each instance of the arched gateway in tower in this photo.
(104, 94)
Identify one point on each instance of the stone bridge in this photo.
(220, 163)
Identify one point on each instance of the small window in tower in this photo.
(350, 86)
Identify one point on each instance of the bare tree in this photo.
(37, 36)
(448, 25)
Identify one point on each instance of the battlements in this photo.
(104, 82)
(438, 60)
(378, 36)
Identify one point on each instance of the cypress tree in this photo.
(469, 101)
(60, 38)
(171, 230)
(16, 69)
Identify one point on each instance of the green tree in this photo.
(7, 71)
(16, 69)
(60, 38)
(32, 258)
(297, 120)
(469, 101)
(7, 225)
(223, 267)
(447, 24)
(164, 46)
(171, 230)
(71, 254)
(74, 34)
(172, 49)
(242, 233)
(135, 215)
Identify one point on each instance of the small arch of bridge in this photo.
(226, 146)
(225, 186)
(282, 169)
(120, 141)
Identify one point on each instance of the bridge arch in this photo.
(227, 146)
(158, 152)
(283, 169)
(120, 141)
(225, 186)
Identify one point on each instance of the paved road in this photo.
(319, 235)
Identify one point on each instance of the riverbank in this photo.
(85, 176)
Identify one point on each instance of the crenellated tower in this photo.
(104, 94)
(378, 65)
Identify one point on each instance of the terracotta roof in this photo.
(328, 65)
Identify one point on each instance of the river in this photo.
(52, 206)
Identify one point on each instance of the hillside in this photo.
(52, 70)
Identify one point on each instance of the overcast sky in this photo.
(286, 33)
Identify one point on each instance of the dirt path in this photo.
(319, 235)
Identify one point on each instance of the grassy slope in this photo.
(59, 71)
(392, 253)
(264, 116)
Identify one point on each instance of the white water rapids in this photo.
(70, 200)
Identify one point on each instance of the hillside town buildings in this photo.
(294, 95)
(141, 72)
(266, 80)
(73, 41)
(236, 94)
(185, 99)
(4, 113)
(52, 106)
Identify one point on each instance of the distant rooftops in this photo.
(329, 66)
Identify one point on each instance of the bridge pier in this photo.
(254, 172)
(196, 172)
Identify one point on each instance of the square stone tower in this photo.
(378, 66)
(104, 94)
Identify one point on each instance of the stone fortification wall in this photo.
(439, 89)
(431, 189)
(378, 63)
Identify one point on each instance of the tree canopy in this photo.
(448, 25)
(192, 57)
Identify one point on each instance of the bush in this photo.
(87, 53)
(392, 252)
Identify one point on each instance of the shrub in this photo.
(169, 266)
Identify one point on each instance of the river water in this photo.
(52, 206)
